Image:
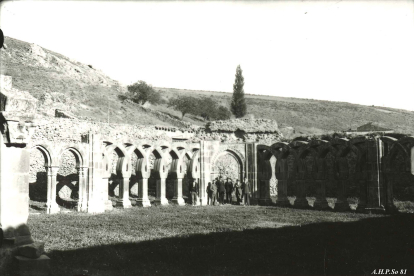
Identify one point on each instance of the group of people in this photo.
(218, 188)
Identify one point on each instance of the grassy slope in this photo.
(313, 116)
(87, 92)
(227, 240)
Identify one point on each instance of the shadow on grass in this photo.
(337, 248)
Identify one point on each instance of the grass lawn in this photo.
(225, 240)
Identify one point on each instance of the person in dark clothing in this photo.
(194, 190)
(213, 190)
(209, 193)
(246, 192)
(239, 191)
(222, 190)
(218, 192)
(229, 190)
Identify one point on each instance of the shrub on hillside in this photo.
(223, 113)
(184, 104)
(141, 92)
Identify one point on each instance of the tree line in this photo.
(205, 107)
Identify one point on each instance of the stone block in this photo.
(32, 251)
(33, 267)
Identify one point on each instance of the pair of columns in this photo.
(52, 206)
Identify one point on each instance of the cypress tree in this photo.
(238, 103)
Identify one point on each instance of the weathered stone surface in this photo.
(32, 251)
(5, 82)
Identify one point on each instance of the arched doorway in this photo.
(227, 165)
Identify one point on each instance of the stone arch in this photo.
(219, 169)
(300, 149)
(160, 159)
(119, 168)
(71, 178)
(139, 167)
(398, 173)
(41, 161)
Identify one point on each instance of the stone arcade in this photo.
(92, 161)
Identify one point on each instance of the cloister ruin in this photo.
(59, 159)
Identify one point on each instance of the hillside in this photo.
(312, 116)
(59, 82)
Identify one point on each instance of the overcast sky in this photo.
(354, 51)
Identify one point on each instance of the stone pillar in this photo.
(301, 201)
(320, 201)
(341, 203)
(104, 192)
(281, 172)
(265, 192)
(251, 171)
(160, 197)
(143, 200)
(95, 200)
(52, 206)
(83, 190)
(375, 189)
(124, 193)
(300, 191)
(178, 192)
(206, 150)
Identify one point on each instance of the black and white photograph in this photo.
(206, 137)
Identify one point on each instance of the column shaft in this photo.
(143, 200)
(124, 193)
(178, 192)
(161, 199)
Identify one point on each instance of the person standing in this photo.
(239, 191)
(229, 190)
(246, 192)
(213, 190)
(208, 191)
(194, 187)
(222, 190)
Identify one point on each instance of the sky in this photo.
(354, 51)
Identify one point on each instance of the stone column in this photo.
(341, 203)
(281, 172)
(251, 171)
(124, 193)
(83, 190)
(95, 173)
(300, 191)
(160, 198)
(143, 200)
(52, 206)
(301, 201)
(265, 192)
(320, 201)
(362, 201)
(375, 190)
(207, 149)
(104, 193)
(178, 192)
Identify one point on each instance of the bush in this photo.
(141, 92)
